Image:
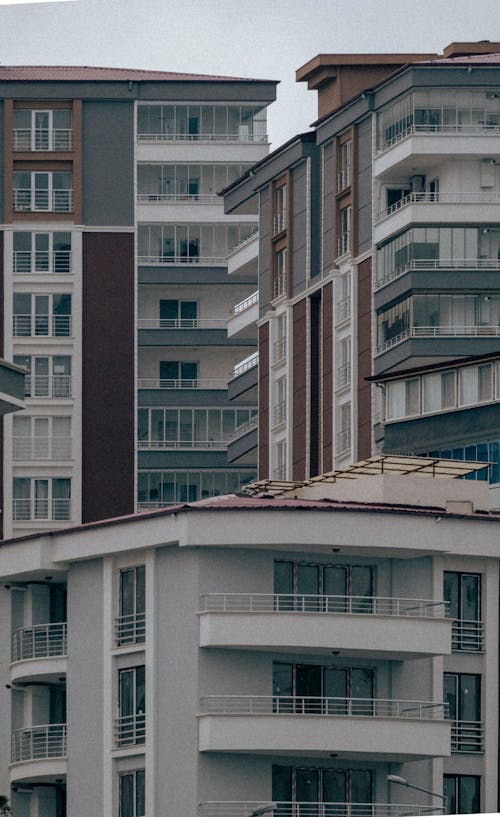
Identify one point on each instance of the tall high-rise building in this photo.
(115, 290)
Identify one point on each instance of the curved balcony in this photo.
(38, 752)
(39, 651)
(238, 808)
(354, 625)
(353, 728)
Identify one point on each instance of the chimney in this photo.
(471, 49)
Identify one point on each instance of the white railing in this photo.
(42, 139)
(279, 349)
(39, 743)
(26, 200)
(279, 472)
(203, 260)
(164, 445)
(279, 283)
(339, 605)
(427, 264)
(246, 303)
(237, 808)
(41, 448)
(242, 429)
(247, 363)
(244, 241)
(33, 509)
(279, 223)
(439, 198)
(154, 506)
(279, 414)
(42, 262)
(343, 309)
(182, 383)
(42, 385)
(48, 325)
(130, 730)
(181, 323)
(311, 705)
(343, 375)
(467, 636)
(440, 331)
(467, 736)
(202, 137)
(169, 198)
(344, 179)
(39, 641)
(130, 629)
(343, 441)
(446, 130)
(343, 244)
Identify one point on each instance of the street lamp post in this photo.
(402, 781)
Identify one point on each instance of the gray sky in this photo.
(256, 38)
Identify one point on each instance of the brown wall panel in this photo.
(314, 384)
(264, 401)
(327, 380)
(108, 376)
(364, 358)
(299, 374)
(2, 306)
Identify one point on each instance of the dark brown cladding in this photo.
(299, 374)
(364, 307)
(327, 379)
(315, 379)
(108, 376)
(2, 311)
(264, 401)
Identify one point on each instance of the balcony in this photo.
(439, 265)
(130, 629)
(343, 310)
(343, 245)
(178, 198)
(244, 317)
(42, 262)
(467, 636)
(187, 332)
(243, 259)
(41, 448)
(245, 365)
(351, 727)
(39, 751)
(467, 736)
(279, 350)
(236, 808)
(130, 730)
(440, 332)
(184, 383)
(279, 414)
(388, 628)
(181, 323)
(343, 378)
(343, 442)
(344, 179)
(42, 139)
(52, 326)
(38, 651)
(187, 445)
(279, 223)
(200, 260)
(35, 510)
(26, 200)
(52, 386)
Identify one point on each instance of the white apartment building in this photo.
(290, 647)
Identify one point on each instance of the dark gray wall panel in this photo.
(328, 206)
(364, 185)
(299, 227)
(182, 459)
(452, 428)
(264, 250)
(108, 163)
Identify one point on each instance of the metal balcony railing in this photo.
(244, 241)
(246, 303)
(42, 262)
(439, 198)
(43, 139)
(467, 736)
(203, 260)
(279, 414)
(40, 641)
(343, 309)
(326, 604)
(165, 445)
(311, 705)
(467, 636)
(38, 325)
(279, 223)
(343, 375)
(130, 730)
(243, 136)
(427, 264)
(181, 383)
(27, 200)
(247, 363)
(174, 198)
(279, 284)
(279, 349)
(343, 441)
(42, 385)
(242, 429)
(484, 129)
(130, 629)
(344, 179)
(182, 323)
(41, 448)
(55, 510)
(458, 331)
(39, 743)
(237, 808)
(343, 244)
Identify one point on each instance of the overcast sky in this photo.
(256, 38)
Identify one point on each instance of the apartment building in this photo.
(378, 256)
(115, 290)
(291, 646)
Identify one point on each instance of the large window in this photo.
(462, 591)
(313, 586)
(189, 243)
(42, 252)
(132, 794)
(462, 792)
(344, 240)
(190, 428)
(322, 785)
(487, 451)
(41, 438)
(279, 272)
(35, 498)
(36, 191)
(159, 488)
(280, 208)
(238, 123)
(322, 690)
(345, 165)
(462, 693)
(36, 315)
(42, 130)
(131, 625)
(186, 181)
(132, 706)
(47, 376)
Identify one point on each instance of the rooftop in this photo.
(89, 73)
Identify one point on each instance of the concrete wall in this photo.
(298, 217)
(328, 207)
(363, 184)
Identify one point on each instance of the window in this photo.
(42, 130)
(42, 253)
(35, 498)
(157, 489)
(50, 192)
(191, 428)
(462, 792)
(322, 785)
(132, 794)
(279, 273)
(178, 374)
(322, 690)
(239, 123)
(462, 693)
(178, 314)
(344, 242)
(344, 363)
(338, 588)
(343, 441)
(279, 471)
(132, 621)
(462, 591)
(279, 349)
(189, 243)
(345, 161)
(280, 397)
(36, 315)
(343, 303)
(132, 706)
(185, 182)
(280, 209)
(41, 438)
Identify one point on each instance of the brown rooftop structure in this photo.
(89, 73)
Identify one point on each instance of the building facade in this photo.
(115, 292)
(293, 648)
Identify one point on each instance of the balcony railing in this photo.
(467, 636)
(311, 705)
(279, 414)
(42, 448)
(39, 641)
(428, 264)
(440, 331)
(247, 363)
(166, 445)
(243, 136)
(42, 385)
(244, 241)
(181, 383)
(242, 306)
(339, 605)
(279, 472)
(39, 743)
(203, 260)
(26, 200)
(439, 198)
(343, 244)
(36, 325)
(181, 323)
(242, 429)
(343, 309)
(130, 730)
(56, 510)
(343, 441)
(42, 262)
(43, 139)
(467, 736)
(175, 198)
(344, 179)
(279, 349)
(279, 223)
(130, 629)
(343, 375)
(237, 808)
(279, 284)
(484, 129)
